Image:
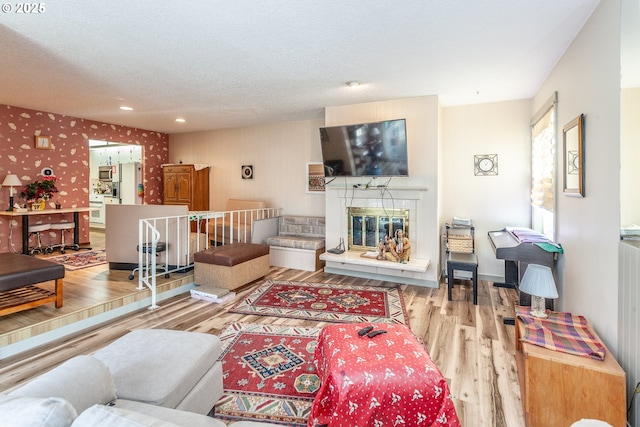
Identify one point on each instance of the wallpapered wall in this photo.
(69, 159)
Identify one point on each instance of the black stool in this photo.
(463, 262)
(148, 249)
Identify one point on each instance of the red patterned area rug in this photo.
(328, 302)
(84, 259)
(268, 373)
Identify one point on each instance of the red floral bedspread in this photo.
(387, 380)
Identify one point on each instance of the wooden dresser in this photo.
(558, 389)
(184, 185)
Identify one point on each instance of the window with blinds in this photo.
(543, 153)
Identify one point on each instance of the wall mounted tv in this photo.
(367, 149)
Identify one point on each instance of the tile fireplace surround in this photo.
(416, 271)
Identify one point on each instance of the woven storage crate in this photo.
(460, 243)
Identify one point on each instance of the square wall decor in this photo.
(247, 171)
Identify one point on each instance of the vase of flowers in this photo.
(38, 192)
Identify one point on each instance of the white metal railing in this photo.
(166, 243)
(235, 226)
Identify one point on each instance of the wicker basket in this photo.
(460, 243)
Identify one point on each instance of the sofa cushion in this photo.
(21, 411)
(311, 226)
(17, 270)
(172, 415)
(298, 242)
(105, 416)
(159, 366)
(82, 380)
(230, 255)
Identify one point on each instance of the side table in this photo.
(558, 389)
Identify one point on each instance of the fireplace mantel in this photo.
(375, 187)
(377, 192)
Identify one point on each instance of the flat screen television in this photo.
(366, 149)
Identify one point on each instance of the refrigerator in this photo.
(127, 179)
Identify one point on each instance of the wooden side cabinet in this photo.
(558, 389)
(184, 185)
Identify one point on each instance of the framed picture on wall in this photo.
(43, 142)
(315, 177)
(573, 141)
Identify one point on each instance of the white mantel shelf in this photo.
(350, 263)
(375, 187)
(379, 193)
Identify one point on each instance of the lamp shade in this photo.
(538, 281)
(11, 181)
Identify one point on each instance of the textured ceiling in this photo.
(221, 64)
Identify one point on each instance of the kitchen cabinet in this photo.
(109, 200)
(96, 201)
(186, 185)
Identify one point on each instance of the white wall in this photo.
(278, 153)
(492, 202)
(422, 120)
(587, 79)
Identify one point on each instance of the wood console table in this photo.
(558, 389)
(25, 222)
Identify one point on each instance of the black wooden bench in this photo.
(18, 275)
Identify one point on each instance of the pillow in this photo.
(18, 411)
(586, 422)
(106, 416)
(81, 380)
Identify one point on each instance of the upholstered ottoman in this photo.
(174, 369)
(18, 273)
(231, 266)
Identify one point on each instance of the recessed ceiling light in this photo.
(180, 120)
(126, 108)
(353, 84)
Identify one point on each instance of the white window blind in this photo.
(542, 165)
(543, 153)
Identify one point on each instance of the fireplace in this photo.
(358, 217)
(367, 226)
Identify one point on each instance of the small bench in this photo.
(299, 243)
(463, 262)
(231, 266)
(18, 274)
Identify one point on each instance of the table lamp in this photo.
(11, 181)
(538, 282)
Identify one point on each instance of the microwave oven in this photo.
(105, 173)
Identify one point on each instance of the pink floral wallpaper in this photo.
(69, 159)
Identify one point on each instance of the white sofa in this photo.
(298, 243)
(149, 377)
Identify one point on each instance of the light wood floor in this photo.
(470, 344)
(87, 292)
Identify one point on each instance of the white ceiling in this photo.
(230, 63)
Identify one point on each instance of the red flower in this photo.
(37, 190)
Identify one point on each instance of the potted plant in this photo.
(38, 192)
